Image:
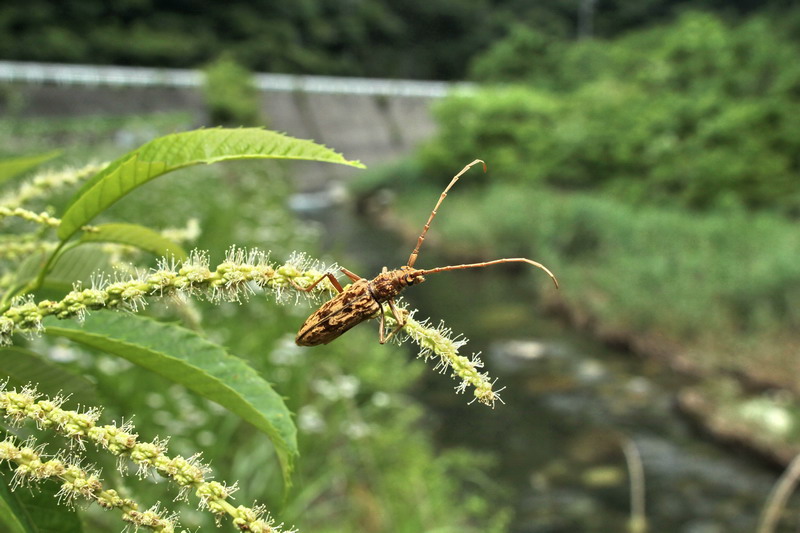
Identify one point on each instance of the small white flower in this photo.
(381, 399)
(356, 430)
(309, 420)
(347, 386)
(287, 353)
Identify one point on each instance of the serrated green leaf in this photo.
(182, 356)
(12, 513)
(28, 269)
(77, 265)
(21, 366)
(179, 150)
(35, 511)
(74, 264)
(135, 235)
(17, 165)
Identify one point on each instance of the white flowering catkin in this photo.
(437, 343)
(232, 280)
(190, 474)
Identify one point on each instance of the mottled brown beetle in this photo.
(364, 298)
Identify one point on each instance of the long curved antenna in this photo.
(413, 258)
(489, 263)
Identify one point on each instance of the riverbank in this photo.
(735, 408)
(709, 295)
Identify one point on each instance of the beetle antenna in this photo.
(413, 258)
(488, 263)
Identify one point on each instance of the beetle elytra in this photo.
(364, 298)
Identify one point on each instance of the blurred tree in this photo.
(698, 113)
(415, 38)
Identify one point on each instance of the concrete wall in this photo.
(372, 129)
(51, 100)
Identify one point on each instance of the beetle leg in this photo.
(382, 327)
(399, 318)
(352, 276)
(331, 278)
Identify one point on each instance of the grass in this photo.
(721, 287)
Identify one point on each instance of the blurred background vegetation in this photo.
(659, 166)
(368, 462)
(648, 152)
(429, 39)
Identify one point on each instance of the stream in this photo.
(571, 406)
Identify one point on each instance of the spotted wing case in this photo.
(338, 315)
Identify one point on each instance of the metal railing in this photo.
(96, 75)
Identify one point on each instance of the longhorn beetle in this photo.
(365, 298)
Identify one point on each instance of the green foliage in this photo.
(10, 168)
(140, 237)
(184, 357)
(23, 511)
(720, 285)
(179, 355)
(415, 38)
(180, 150)
(698, 114)
(12, 514)
(387, 475)
(510, 58)
(21, 367)
(231, 96)
(368, 463)
(202, 374)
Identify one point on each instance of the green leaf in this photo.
(26, 271)
(77, 264)
(34, 511)
(12, 513)
(135, 235)
(23, 366)
(184, 357)
(179, 150)
(16, 166)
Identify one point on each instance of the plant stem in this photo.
(776, 501)
(638, 519)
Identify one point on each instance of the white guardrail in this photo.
(94, 75)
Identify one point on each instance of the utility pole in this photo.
(586, 10)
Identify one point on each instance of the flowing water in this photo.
(571, 407)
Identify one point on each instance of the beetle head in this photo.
(410, 276)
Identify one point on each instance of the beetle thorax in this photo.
(387, 285)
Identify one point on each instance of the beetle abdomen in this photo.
(351, 307)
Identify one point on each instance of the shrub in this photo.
(231, 95)
(698, 114)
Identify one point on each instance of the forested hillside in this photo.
(433, 39)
